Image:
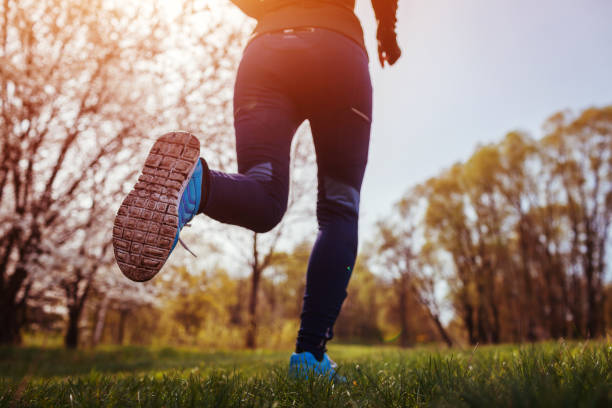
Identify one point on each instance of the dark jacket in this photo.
(336, 15)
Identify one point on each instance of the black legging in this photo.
(284, 79)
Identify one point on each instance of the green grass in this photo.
(543, 375)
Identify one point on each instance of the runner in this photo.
(306, 61)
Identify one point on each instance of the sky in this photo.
(471, 71)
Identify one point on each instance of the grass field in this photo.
(543, 375)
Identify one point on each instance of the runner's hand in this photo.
(388, 50)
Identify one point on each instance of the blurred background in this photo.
(486, 207)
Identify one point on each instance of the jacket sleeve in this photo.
(386, 15)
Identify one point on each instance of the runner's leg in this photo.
(341, 132)
(265, 121)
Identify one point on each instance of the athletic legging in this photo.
(284, 79)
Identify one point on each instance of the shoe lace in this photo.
(332, 363)
(184, 245)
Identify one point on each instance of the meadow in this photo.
(556, 374)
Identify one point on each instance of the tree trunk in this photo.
(123, 313)
(251, 334)
(100, 321)
(592, 312)
(12, 310)
(592, 323)
(10, 325)
(468, 320)
(564, 306)
(75, 308)
(441, 329)
(556, 317)
(404, 334)
(527, 280)
(496, 329)
(434, 316)
(494, 324)
(576, 309)
(71, 340)
(482, 323)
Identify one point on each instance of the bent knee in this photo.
(267, 222)
(340, 198)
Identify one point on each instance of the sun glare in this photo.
(172, 8)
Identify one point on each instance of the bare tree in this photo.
(402, 253)
(83, 85)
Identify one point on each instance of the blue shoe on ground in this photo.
(166, 197)
(304, 364)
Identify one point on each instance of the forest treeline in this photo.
(511, 245)
(519, 232)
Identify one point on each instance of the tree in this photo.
(526, 225)
(82, 86)
(446, 226)
(400, 252)
(582, 152)
(61, 118)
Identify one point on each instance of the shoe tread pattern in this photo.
(147, 220)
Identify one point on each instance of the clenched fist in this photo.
(388, 50)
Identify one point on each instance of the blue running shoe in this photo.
(166, 197)
(304, 364)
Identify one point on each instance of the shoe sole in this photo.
(147, 220)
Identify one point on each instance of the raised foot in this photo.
(147, 221)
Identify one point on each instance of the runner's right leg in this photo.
(265, 120)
